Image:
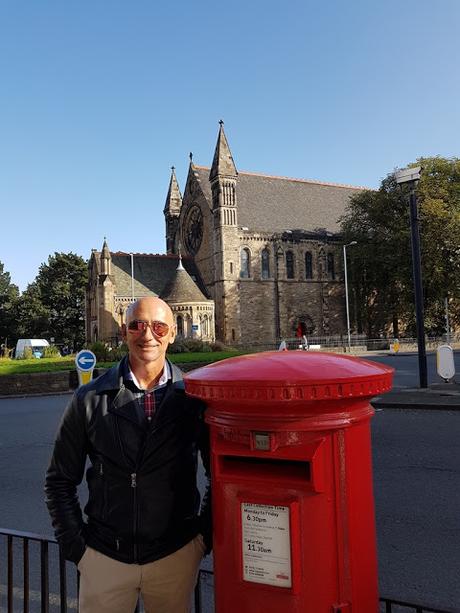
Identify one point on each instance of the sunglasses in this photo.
(158, 328)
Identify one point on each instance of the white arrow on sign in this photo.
(83, 360)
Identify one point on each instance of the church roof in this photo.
(152, 272)
(182, 288)
(273, 204)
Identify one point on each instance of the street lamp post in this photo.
(346, 290)
(411, 176)
(132, 276)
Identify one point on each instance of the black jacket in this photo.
(143, 500)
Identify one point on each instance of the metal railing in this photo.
(339, 343)
(403, 606)
(45, 600)
(37, 546)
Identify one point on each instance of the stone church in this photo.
(250, 259)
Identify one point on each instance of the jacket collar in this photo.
(113, 378)
(124, 403)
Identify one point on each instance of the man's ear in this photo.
(172, 336)
(123, 331)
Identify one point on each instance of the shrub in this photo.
(186, 345)
(178, 347)
(218, 346)
(117, 353)
(195, 345)
(28, 353)
(100, 350)
(51, 352)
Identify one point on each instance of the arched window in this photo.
(265, 264)
(308, 265)
(330, 266)
(245, 269)
(180, 325)
(289, 265)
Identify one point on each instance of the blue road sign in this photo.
(85, 360)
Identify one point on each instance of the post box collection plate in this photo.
(266, 544)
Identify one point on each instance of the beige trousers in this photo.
(166, 585)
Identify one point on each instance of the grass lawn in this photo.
(11, 367)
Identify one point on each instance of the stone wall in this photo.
(49, 383)
(41, 382)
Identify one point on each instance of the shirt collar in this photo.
(163, 380)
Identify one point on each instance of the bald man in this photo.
(144, 532)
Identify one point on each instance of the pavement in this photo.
(442, 396)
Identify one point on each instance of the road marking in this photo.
(35, 595)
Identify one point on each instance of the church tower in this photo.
(223, 179)
(171, 212)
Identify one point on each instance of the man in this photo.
(141, 433)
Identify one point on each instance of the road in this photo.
(406, 367)
(416, 483)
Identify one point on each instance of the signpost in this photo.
(85, 361)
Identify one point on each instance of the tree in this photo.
(33, 315)
(381, 262)
(8, 296)
(53, 306)
(62, 284)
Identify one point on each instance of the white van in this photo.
(36, 344)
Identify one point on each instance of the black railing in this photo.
(408, 607)
(45, 599)
(27, 545)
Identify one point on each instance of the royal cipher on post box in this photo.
(293, 509)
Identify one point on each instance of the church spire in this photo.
(174, 198)
(222, 164)
(106, 259)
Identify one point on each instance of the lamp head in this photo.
(408, 175)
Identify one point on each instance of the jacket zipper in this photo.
(104, 490)
(134, 487)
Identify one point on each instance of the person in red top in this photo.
(145, 532)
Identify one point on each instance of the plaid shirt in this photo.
(150, 399)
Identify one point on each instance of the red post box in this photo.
(294, 528)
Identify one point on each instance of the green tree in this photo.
(33, 315)
(62, 284)
(9, 294)
(381, 263)
(439, 204)
(53, 306)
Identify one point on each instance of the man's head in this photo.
(148, 331)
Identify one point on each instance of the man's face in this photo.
(146, 347)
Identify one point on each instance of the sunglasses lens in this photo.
(136, 325)
(159, 328)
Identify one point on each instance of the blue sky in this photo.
(99, 98)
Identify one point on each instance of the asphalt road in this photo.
(406, 367)
(417, 489)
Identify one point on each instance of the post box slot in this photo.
(266, 468)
